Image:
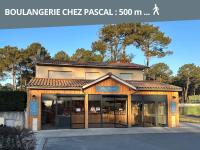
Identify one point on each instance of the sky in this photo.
(185, 43)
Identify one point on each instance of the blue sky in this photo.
(185, 41)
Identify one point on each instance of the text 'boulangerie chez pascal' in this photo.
(58, 12)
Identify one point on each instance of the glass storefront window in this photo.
(107, 111)
(149, 110)
(63, 112)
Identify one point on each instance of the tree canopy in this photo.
(114, 39)
(20, 63)
(152, 42)
(83, 55)
(161, 72)
(62, 55)
(188, 77)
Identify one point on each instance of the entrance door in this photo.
(137, 113)
(107, 111)
(70, 112)
(121, 117)
(63, 117)
(149, 115)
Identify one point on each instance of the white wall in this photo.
(13, 119)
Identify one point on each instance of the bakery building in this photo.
(98, 95)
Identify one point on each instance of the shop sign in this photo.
(173, 107)
(33, 108)
(107, 88)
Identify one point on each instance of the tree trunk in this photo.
(194, 91)
(21, 78)
(186, 89)
(148, 60)
(13, 77)
(123, 58)
(147, 69)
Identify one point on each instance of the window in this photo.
(60, 74)
(126, 76)
(91, 75)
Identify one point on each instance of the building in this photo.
(87, 95)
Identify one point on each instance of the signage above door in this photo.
(107, 88)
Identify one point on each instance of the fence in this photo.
(12, 119)
(194, 99)
(189, 109)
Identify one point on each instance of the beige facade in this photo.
(64, 72)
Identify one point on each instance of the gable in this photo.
(109, 86)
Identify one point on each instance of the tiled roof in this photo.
(153, 85)
(79, 83)
(91, 64)
(57, 83)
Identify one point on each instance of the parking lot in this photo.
(184, 138)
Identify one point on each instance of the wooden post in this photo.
(86, 110)
(129, 111)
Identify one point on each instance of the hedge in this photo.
(12, 101)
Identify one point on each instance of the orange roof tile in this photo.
(79, 83)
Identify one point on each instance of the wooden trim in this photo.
(129, 111)
(106, 77)
(86, 110)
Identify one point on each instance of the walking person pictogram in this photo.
(155, 10)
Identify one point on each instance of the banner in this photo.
(45, 13)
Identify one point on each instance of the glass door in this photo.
(48, 114)
(162, 114)
(149, 115)
(137, 113)
(63, 115)
(108, 111)
(120, 112)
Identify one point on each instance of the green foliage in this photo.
(100, 47)
(190, 110)
(82, 55)
(12, 100)
(160, 72)
(10, 57)
(12, 138)
(194, 99)
(20, 63)
(61, 55)
(113, 40)
(6, 87)
(188, 77)
(152, 42)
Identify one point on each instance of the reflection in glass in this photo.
(48, 113)
(94, 114)
(149, 113)
(107, 111)
(63, 112)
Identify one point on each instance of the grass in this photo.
(190, 114)
(190, 119)
(191, 110)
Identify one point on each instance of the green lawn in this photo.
(190, 110)
(190, 114)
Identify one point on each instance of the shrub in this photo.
(12, 138)
(12, 100)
